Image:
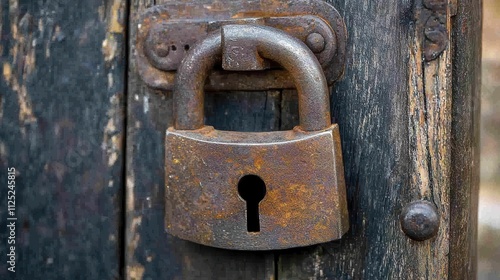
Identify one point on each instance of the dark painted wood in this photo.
(62, 106)
(465, 139)
(289, 110)
(402, 122)
(150, 252)
(403, 141)
(369, 104)
(62, 128)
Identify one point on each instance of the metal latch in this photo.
(254, 190)
(249, 190)
(167, 32)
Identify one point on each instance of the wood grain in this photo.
(370, 105)
(399, 130)
(396, 128)
(62, 127)
(429, 100)
(466, 94)
(151, 253)
(409, 131)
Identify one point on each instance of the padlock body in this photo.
(305, 200)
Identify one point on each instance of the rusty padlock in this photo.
(258, 190)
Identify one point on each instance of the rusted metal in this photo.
(316, 42)
(420, 220)
(167, 32)
(178, 34)
(435, 31)
(238, 55)
(268, 42)
(304, 200)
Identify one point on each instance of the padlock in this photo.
(257, 190)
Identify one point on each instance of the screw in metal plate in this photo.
(161, 49)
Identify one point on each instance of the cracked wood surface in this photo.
(400, 133)
(62, 128)
(404, 140)
(152, 253)
(409, 130)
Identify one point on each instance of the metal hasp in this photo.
(436, 34)
(167, 32)
(258, 190)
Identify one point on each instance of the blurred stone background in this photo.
(489, 194)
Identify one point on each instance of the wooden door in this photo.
(86, 136)
(62, 128)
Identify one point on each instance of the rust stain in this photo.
(172, 22)
(314, 117)
(202, 163)
(303, 203)
(258, 163)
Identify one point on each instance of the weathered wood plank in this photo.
(62, 128)
(151, 253)
(400, 132)
(464, 189)
(429, 101)
(396, 128)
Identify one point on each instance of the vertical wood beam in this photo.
(62, 126)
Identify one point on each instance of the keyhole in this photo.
(252, 189)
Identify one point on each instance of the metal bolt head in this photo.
(161, 49)
(420, 220)
(316, 42)
(156, 44)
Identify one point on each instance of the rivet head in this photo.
(156, 45)
(420, 220)
(161, 49)
(315, 42)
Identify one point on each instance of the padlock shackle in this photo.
(271, 43)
